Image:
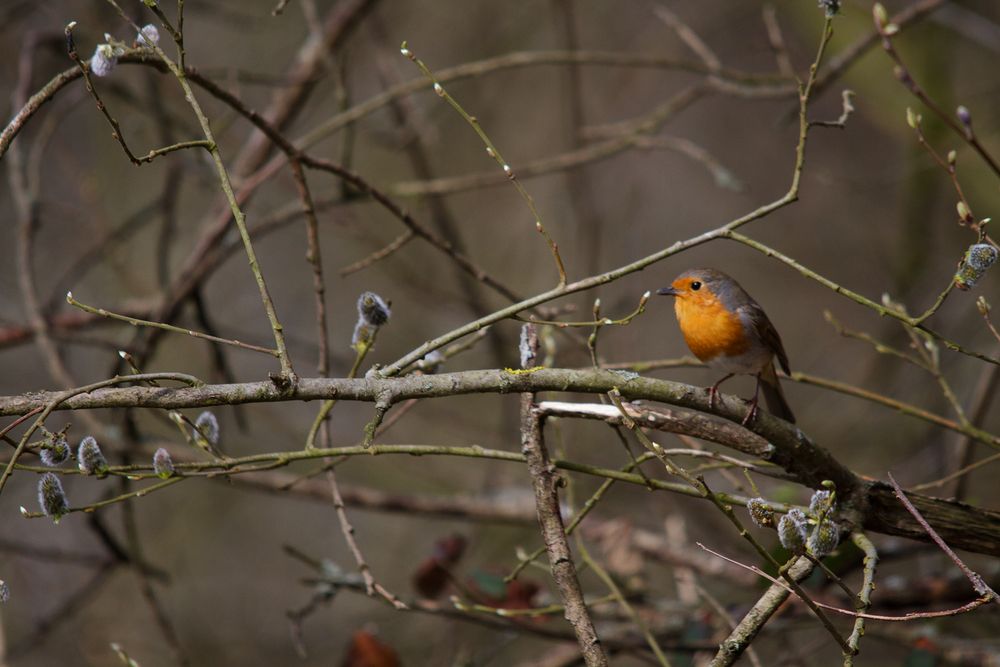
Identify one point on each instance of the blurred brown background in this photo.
(876, 215)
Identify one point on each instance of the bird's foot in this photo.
(751, 413)
(713, 391)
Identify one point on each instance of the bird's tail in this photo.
(773, 396)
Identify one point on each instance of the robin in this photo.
(725, 328)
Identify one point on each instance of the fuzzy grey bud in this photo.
(51, 497)
(89, 458)
(820, 502)
(824, 539)
(760, 513)
(103, 62)
(831, 7)
(364, 333)
(163, 465)
(373, 309)
(148, 36)
(208, 427)
(792, 531)
(978, 258)
(4, 591)
(54, 450)
(373, 312)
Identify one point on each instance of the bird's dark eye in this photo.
(696, 285)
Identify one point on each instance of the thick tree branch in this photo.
(872, 504)
(545, 482)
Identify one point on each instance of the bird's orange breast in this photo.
(709, 329)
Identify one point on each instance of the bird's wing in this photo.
(765, 331)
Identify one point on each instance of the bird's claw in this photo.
(713, 393)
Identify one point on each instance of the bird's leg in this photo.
(752, 414)
(713, 391)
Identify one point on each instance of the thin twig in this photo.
(238, 215)
(137, 322)
(589, 505)
(545, 481)
(906, 78)
(724, 614)
(701, 487)
(379, 254)
(915, 322)
(372, 586)
(114, 500)
(136, 558)
(494, 153)
(63, 396)
(977, 581)
(743, 635)
(623, 602)
(777, 41)
(912, 616)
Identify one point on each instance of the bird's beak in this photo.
(667, 291)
